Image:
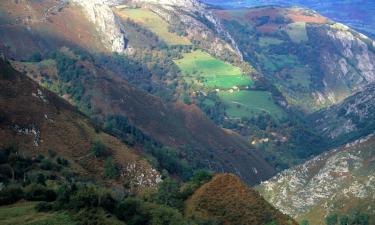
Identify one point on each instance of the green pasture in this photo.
(154, 23)
(25, 214)
(297, 32)
(267, 41)
(200, 67)
(249, 103)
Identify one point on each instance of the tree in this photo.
(344, 220)
(169, 193)
(110, 169)
(200, 177)
(98, 148)
(331, 219)
(304, 222)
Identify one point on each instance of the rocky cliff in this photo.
(107, 24)
(352, 118)
(338, 181)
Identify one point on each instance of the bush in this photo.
(37, 192)
(10, 195)
(132, 211)
(44, 207)
(110, 169)
(107, 202)
(98, 149)
(166, 216)
(86, 196)
(62, 161)
(169, 194)
(47, 164)
(200, 177)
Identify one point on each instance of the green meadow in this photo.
(201, 68)
(267, 41)
(154, 23)
(297, 32)
(249, 103)
(24, 214)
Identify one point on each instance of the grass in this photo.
(24, 214)
(297, 32)
(154, 23)
(249, 103)
(267, 41)
(274, 63)
(300, 76)
(202, 68)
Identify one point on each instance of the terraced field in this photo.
(205, 71)
(250, 103)
(154, 23)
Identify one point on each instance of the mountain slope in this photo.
(340, 181)
(294, 48)
(351, 119)
(183, 127)
(105, 94)
(28, 27)
(230, 201)
(36, 121)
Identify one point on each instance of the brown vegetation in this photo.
(230, 201)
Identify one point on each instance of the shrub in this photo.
(166, 216)
(86, 196)
(37, 192)
(44, 207)
(110, 169)
(62, 161)
(47, 164)
(169, 194)
(51, 153)
(200, 177)
(98, 149)
(10, 195)
(107, 202)
(132, 211)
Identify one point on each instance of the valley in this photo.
(177, 112)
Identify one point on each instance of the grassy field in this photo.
(249, 103)
(153, 22)
(25, 214)
(300, 76)
(211, 72)
(297, 32)
(266, 41)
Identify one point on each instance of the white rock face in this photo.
(107, 24)
(354, 47)
(177, 3)
(333, 178)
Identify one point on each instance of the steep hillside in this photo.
(104, 94)
(27, 27)
(102, 91)
(230, 202)
(349, 120)
(36, 121)
(294, 48)
(356, 14)
(340, 182)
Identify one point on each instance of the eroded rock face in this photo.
(107, 24)
(334, 179)
(352, 118)
(178, 3)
